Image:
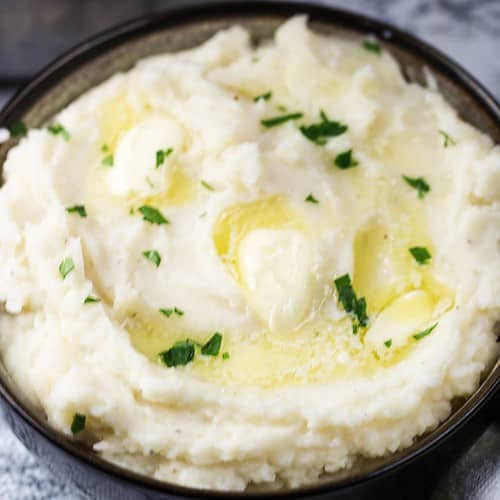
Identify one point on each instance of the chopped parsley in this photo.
(66, 266)
(425, 332)
(79, 209)
(311, 199)
(105, 148)
(388, 343)
(278, 120)
(263, 97)
(371, 46)
(170, 311)
(153, 256)
(345, 160)
(418, 183)
(91, 300)
(320, 132)
(208, 186)
(181, 353)
(161, 154)
(420, 254)
(352, 305)
(360, 313)
(225, 355)
(108, 160)
(152, 215)
(58, 129)
(447, 139)
(78, 423)
(212, 347)
(17, 129)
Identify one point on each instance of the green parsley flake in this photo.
(17, 129)
(447, 139)
(78, 424)
(320, 132)
(152, 215)
(352, 305)
(91, 300)
(278, 120)
(153, 256)
(181, 353)
(161, 154)
(418, 183)
(360, 313)
(388, 343)
(263, 97)
(225, 355)
(105, 148)
(420, 254)
(345, 160)
(311, 199)
(206, 185)
(108, 160)
(371, 46)
(78, 209)
(212, 347)
(66, 266)
(58, 129)
(170, 311)
(425, 332)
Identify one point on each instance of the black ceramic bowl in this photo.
(185, 26)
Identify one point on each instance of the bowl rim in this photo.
(178, 14)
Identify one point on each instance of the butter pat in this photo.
(404, 317)
(275, 268)
(135, 169)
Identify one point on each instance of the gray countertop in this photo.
(466, 30)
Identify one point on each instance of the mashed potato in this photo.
(234, 265)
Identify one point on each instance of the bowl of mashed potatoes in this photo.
(248, 251)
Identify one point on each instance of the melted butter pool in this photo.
(181, 190)
(162, 186)
(116, 116)
(237, 221)
(319, 350)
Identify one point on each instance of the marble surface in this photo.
(469, 32)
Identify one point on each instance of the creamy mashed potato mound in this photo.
(337, 227)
